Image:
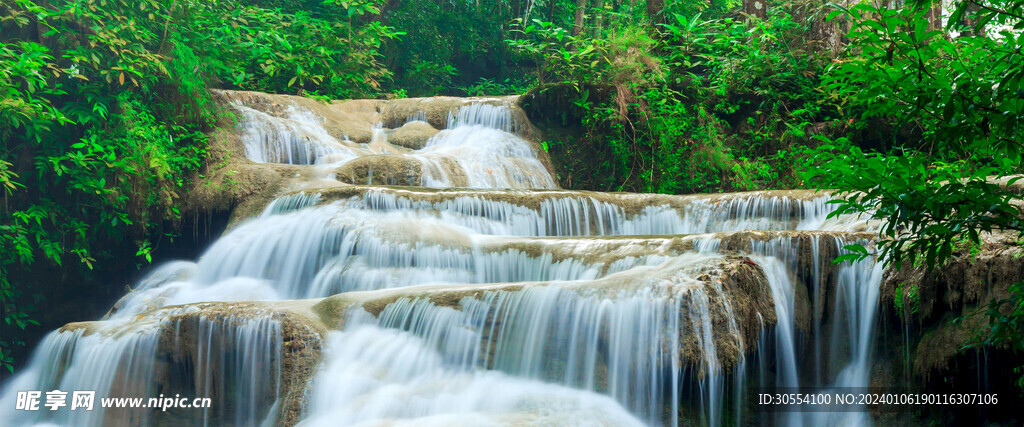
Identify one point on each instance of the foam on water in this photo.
(618, 342)
(380, 375)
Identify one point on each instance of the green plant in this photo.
(489, 87)
(690, 105)
(104, 105)
(907, 299)
(431, 78)
(951, 110)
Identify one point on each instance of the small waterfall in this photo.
(231, 360)
(292, 202)
(68, 360)
(480, 114)
(489, 158)
(418, 116)
(619, 342)
(250, 371)
(853, 334)
(299, 138)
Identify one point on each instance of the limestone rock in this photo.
(973, 277)
(413, 135)
(210, 350)
(385, 169)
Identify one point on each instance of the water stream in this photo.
(504, 302)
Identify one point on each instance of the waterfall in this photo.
(298, 138)
(232, 359)
(480, 148)
(489, 116)
(376, 373)
(477, 293)
(615, 342)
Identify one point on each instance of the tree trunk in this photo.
(756, 8)
(934, 16)
(599, 16)
(581, 8)
(972, 20)
(654, 8)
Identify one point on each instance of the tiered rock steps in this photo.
(641, 288)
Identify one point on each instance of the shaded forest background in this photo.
(105, 110)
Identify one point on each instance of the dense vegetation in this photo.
(105, 107)
(952, 98)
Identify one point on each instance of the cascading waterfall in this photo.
(72, 360)
(512, 303)
(480, 147)
(856, 299)
(298, 138)
(222, 356)
(857, 286)
(616, 342)
(378, 373)
(581, 214)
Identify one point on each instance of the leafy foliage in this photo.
(957, 99)
(691, 105)
(952, 103)
(103, 113)
(449, 45)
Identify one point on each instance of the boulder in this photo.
(208, 350)
(387, 169)
(412, 135)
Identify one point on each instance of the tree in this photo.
(579, 14)
(654, 9)
(103, 109)
(954, 110)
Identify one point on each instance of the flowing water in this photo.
(504, 302)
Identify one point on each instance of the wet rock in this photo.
(412, 135)
(244, 356)
(350, 119)
(299, 344)
(399, 170)
(382, 169)
(932, 299)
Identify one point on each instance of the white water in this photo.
(298, 138)
(479, 149)
(558, 333)
(122, 357)
(380, 375)
(604, 331)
